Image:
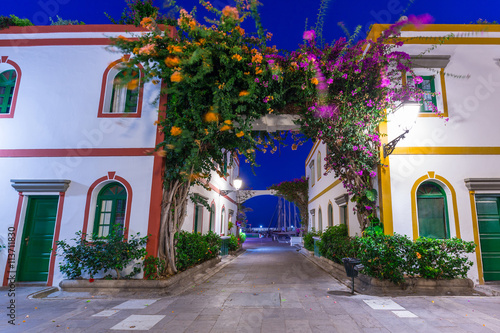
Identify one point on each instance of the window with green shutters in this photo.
(123, 99)
(110, 211)
(432, 211)
(320, 220)
(330, 215)
(343, 214)
(211, 226)
(429, 98)
(7, 84)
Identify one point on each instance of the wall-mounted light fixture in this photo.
(408, 115)
(237, 182)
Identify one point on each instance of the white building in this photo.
(75, 150)
(442, 180)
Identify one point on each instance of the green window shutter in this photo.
(343, 215)
(432, 211)
(212, 218)
(110, 211)
(330, 215)
(429, 88)
(320, 220)
(7, 84)
(124, 100)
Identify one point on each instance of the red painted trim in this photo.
(156, 187)
(104, 85)
(64, 152)
(87, 203)
(16, 228)
(77, 28)
(111, 174)
(122, 180)
(104, 40)
(16, 87)
(56, 238)
(219, 192)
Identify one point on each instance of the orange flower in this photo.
(225, 128)
(147, 22)
(161, 153)
(169, 146)
(125, 39)
(211, 117)
(133, 84)
(174, 49)
(419, 255)
(135, 50)
(314, 81)
(176, 77)
(206, 131)
(258, 70)
(240, 30)
(240, 134)
(172, 61)
(237, 57)
(175, 131)
(192, 24)
(232, 12)
(244, 93)
(294, 146)
(147, 49)
(257, 58)
(228, 122)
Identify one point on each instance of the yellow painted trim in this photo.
(385, 196)
(414, 188)
(414, 219)
(454, 202)
(332, 185)
(311, 153)
(446, 151)
(475, 230)
(449, 41)
(319, 167)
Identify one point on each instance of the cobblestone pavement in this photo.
(269, 288)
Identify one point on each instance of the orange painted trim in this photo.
(56, 238)
(104, 85)
(311, 153)
(65, 152)
(156, 186)
(4, 59)
(16, 228)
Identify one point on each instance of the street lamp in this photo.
(405, 119)
(237, 182)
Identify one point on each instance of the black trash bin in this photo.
(350, 269)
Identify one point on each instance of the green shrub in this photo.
(153, 267)
(385, 257)
(243, 237)
(308, 239)
(233, 244)
(101, 254)
(336, 244)
(442, 258)
(195, 248)
(13, 21)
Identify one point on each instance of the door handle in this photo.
(26, 240)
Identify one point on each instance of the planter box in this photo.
(364, 284)
(180, 280)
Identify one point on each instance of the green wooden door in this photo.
(37, 238)
(488, 216)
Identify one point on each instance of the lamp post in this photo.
(237, 182)
(406, 118)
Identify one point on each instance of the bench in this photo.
(295, 240)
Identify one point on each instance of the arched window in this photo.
(319, 164)
(124, 97)
(110, 211)
(432, 211)
(222, 220)
(7, 85)
(312, 178)
(320, 220)
(330, 215)
(211, 225)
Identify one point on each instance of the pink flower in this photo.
(329, 81)
(309, 35)
(418, 79)
(385, 82)
(354, 147)
(421, 20)
(373, 173)
(147, 49)
(368, 208)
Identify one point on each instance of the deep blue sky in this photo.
(286, 20)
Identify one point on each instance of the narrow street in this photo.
(269, 288)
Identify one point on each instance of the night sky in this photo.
(286, 20)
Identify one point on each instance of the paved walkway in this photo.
(269, 288)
